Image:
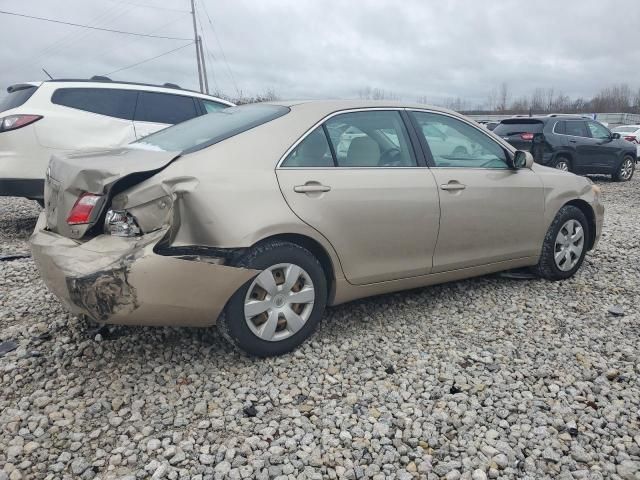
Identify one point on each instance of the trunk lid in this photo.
(96, 172)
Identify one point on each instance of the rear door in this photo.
(376, 205)
(156, 110)
(579, 141)
(489, 212)
(88, 117)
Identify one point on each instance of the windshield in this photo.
(204, 131)
(16, 98)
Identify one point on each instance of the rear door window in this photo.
(112, 102)
(313, 151)
(373, 138)
(16, 98)
(164, 108)
(575, 128)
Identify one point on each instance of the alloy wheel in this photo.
(569, 245)
(626, 169)
(279, 302)
(562, 165)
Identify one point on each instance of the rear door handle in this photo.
(311, 188)
(453, 186)
(573, 141)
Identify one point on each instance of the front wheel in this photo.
(625, 170)
(565, 245)
(280, 307)
(563, 164)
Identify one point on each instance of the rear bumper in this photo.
(22, 187)
(122, 281)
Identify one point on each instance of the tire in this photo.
(274, 259)
(624, 173)
(563, 164)
(547, 266)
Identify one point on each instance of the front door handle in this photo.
(311, 188)
(453, 185)
(573, 141)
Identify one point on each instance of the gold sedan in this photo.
(258, 217)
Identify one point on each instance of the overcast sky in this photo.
(334, 48)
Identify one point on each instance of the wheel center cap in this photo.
(279, 301)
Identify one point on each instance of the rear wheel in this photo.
(565, 245)
(279, 308)
(625, 171)
(563, 164)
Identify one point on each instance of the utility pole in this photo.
(196, 40)
(204, 66)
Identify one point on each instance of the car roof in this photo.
(323, 107)
(632, 126)
(167, 88)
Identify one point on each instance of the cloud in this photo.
(334, 48)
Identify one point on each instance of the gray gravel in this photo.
(485, 378)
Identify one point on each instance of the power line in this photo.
(3, 12)
(149, 59)
(224, 57)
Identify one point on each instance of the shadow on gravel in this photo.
(20, 228)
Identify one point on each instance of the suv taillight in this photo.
(13, 122)
(631, 138)
(82, 209)
(526, 136)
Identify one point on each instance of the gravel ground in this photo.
(485, 378)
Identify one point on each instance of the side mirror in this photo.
(522, 159)
(615, 135)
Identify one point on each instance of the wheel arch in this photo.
(318, 250)
(566, 155)
(588, 212)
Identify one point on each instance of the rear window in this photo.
(513, 128)
(165, 108)
(201, 132)
(105, 101)
(16, 98)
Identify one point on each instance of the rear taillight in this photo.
(526, 136)
(631, 138)
(13, 122)
(82, 209)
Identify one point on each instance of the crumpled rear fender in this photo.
(123, 281)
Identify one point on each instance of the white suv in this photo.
(38, 119)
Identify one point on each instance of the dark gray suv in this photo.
(577, 144)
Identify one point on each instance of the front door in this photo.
(355, 179)
(489, 211)
(601, 152)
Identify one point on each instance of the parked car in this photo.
(571, 143)
(38, 119)
(247, 217)
(631, 133)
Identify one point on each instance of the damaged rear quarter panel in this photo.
(122, 281)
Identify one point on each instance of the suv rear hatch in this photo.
(18, 95)
(69, 177)
(520, 132)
